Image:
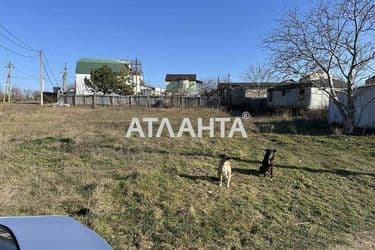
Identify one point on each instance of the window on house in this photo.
(270, 96)
(283, 93)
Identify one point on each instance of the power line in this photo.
(49, 78)
(50, 69)
(15, 42)
(13, 52)
(19, 40)
(14, 39)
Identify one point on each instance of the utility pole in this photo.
(136, 76)
(41, 77)
(64, 79)
(8, 83)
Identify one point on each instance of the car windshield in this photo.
(7, 241)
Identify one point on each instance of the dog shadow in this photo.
(214, 179)
(246, 171)
(256, 172)
(200, 177)
(336, 171)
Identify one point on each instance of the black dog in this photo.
(267, 163)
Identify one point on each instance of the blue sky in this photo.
(208, 37)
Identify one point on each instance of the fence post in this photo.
(93, 100)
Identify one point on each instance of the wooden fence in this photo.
(145, 101)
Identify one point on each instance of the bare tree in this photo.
(260, 73)
(36, 95)
(208, 87)
(27, 93)
(335, 38)
(17, 94)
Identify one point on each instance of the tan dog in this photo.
(225, 170)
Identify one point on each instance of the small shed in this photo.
(311, 95)
(364, 114)
(247, 95)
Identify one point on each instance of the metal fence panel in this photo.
(145, 101)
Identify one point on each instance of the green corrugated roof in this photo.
(85, 65)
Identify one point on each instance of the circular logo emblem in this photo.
(246, 115)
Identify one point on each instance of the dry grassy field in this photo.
(163, 192)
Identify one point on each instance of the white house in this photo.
(151, 91)
(86, 65)
(182, 84)
(297, 96)
(309, 93)
(364, 102)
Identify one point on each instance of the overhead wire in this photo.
(48, 76)
(50, 69)
(14, 52)
(25, 45)
(15, 42)
(9, 36)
